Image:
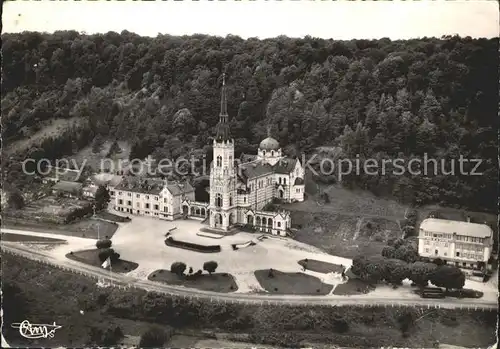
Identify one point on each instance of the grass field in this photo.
(91, 257)
(86, 228)
(29, 238)
(216, 282)
(291, 283)
(50, 128)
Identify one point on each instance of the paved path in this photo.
(360, 300)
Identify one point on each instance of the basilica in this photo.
(240, 189)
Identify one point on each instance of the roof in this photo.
(141, 185)
(179, 188)
(66, 186)
(285, 165)
(254, 169)
(91, 188)
(458, 227)
(269, 144)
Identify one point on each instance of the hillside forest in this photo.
(377, 99)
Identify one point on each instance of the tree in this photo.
(15, 199)
(210, 266)
(97, 144)
(110, 253)
(420, 273)
(103, 243)
(448, 277)
(396, 271)
(154, 337)
(102, 198)
(178, 268)
(114, 149)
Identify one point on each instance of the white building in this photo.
(152, 197)
(240, 190)
(467, 245)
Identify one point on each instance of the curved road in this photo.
(360, 300)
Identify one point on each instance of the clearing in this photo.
(95, 160)
(217, 282)
(51, 128)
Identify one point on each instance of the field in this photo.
(48, 129)
(93, 160)
(48, 209)
(291, 283)
(56, 295)
(91, 257)
(357, 222)
(216, 282)
(86, 228)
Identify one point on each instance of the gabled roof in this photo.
(141, 185)
(179, 188)
(285, 165)
(458, 227)
(255, 169)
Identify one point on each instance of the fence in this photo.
(260, 300)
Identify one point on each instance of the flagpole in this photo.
(110, 272)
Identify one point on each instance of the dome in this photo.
(269, 144)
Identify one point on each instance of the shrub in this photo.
(178, 268)
(199, 272)
(103, 243)
(105, 253)
(210, 266)
(448, 277)
(154, 337)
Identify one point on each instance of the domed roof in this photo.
(269, 144)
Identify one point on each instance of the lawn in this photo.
(29, 238)
(217, 282)
(112, 217)
(352, 286)
(86, 228)
(291, 283)
(320, 266)
(91, 257)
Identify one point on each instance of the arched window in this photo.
(218, 200)
(272, 152)
(264, 152)
(279, 180)
(219, 161)
(230, 201)
(284, 181)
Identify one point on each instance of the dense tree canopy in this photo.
(373, 98)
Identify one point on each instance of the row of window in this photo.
(138, 196)
(138, 205)
(219, 160)
(450, 236)
(471, 248)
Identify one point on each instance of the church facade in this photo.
(241, 188)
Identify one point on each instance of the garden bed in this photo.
(291, 283)
(91, 257)
(170, 241)
(112, 217)
(217, 282)
(30, 238)
(320, 267)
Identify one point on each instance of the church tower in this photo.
(222, 172)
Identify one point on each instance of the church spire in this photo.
(223, 133)
(223, 100)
